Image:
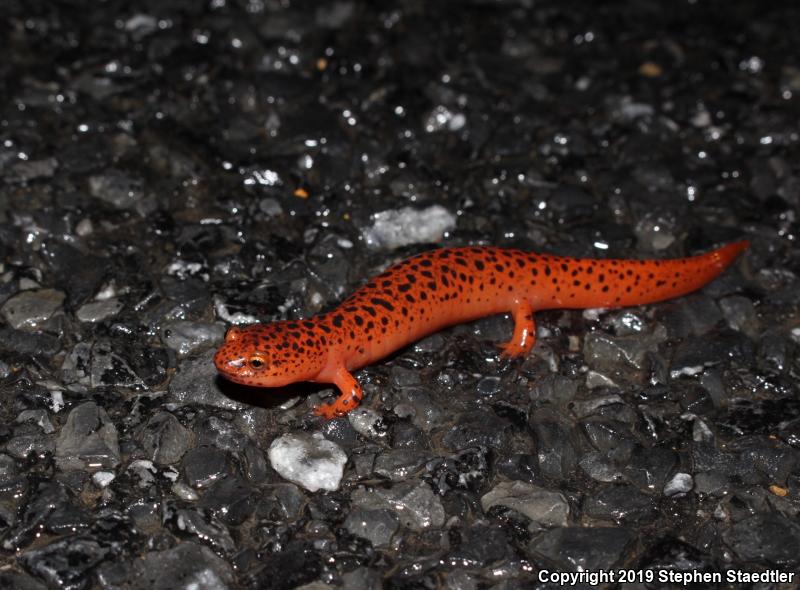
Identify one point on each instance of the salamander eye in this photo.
(257, 362)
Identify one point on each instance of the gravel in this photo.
(168, 169)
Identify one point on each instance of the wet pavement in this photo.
(169, 169)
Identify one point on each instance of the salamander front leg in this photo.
(524, 336)
(349, 398)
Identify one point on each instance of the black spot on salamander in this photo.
(479, 264)
(432, 285)
(547, 270)
(325, 328)
(423, 295)
(337, 320)
(359, 320)
(427, 274)
(370, 325)
(410, 298)
(461, 261)
(425, 262)
(411, 278)
(308, 324)
(404, 287)
(385, 320)
(445, 281)
(498, 267)
(382, 303)
(370, 310)
(601, 278)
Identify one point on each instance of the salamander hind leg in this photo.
(349, 399)
(524, 336)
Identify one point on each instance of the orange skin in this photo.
(436, 289)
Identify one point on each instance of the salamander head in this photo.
(271, 355)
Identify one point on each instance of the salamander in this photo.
(439, 288)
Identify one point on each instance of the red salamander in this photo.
(436, 289)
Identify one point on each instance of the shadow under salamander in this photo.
(269, 398)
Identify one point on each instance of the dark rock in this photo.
(66, 563)
(557, 455)
(478, 428)
(202, 466)
(766, 538)
(232, 500)
(377, 526)
(207, 529)
(581, 549)
(187, 565)
(38, 343)
(10, 580)
(621, 504)
(78, 273)
(164, 439)
(480, 545)
(88, 439)
(400, 464)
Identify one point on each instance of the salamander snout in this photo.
(229, 358)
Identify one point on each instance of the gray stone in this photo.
(116, 188)
(88, 440)
(540, 505)
(28, 310)
(377, 526)
(185, 337)
(196, 383)
(164, 439)
(97, 311)
(414, 503)
(187, 565)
